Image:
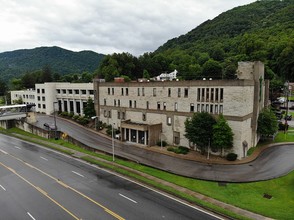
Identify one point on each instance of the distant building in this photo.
(147, 112)
(167, 76)
(71, 97)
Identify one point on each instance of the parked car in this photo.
(50, 127)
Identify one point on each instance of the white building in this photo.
(167, 76)
(71, 97)
(146, 112)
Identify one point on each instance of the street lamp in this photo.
(54, 115)
(96, 118)
(112, 143)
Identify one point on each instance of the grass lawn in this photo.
(249, 196)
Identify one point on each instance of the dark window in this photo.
(186, 92)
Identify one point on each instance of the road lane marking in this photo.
(77, 173)
(39, 190)
(4, 152)
(31, 216)
(66, 186)
(44, 158)
(17, 147)
(127, 198)
(2, 187)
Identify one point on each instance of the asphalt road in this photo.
(274, 162)
(38, 183)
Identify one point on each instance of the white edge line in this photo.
(17, 147)
(2, 187)
(44, 158)
(31, 216)
(77, 173)
(127, 198)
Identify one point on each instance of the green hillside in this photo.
(18, 62)
(263, 30)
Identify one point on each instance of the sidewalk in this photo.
(239, 211)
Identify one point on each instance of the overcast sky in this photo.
(104, 26)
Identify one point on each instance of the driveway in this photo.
(273, 162)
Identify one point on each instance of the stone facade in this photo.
(147, 112)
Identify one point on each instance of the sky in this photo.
(103, 26)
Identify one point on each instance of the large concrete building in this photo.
(147, 112)
(71, 97)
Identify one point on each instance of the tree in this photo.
(267, 123)
(212, 68)
(89, 110)
(46, 74)
(199, 129)
(222, 134)
(3, 87)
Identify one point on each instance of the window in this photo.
(77, 91)
(44, 106)
(202, 95)
(39, 98)
(70, 91)
(221, 95)
(135, 104)
(192, 107)
(220, 109)
(127, 91)
(114, 102)
(158, 105)
(58, 91)
(91, 92)
(84, 92)
(118, 102)
(215, 109)
(138, 91)
(186, 92)
(105, 113)
(143, 92)
(112, 91)
(144, 117)
(207, 108)
(108, 91)
(176, 106)
(104, 101)
(39, 105)
(168, 121)
(216, 95)
(169, 92)
(211, 108)
(43, 90)
(64, 91)
(179, 92)
(43, 98)
(123, 115)
(109, 114)
(212, 94)
(198, 108)
(122, 91)
(38, 90)
(147, 105)
(207, 94)
(130, 103)
(154, 91)
(198, 94)
(164, 106)
(202, 108)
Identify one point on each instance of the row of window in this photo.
(203, 94)
(39, 98)
(25, 96)
(38, 91)
(162, 106)
(74, 91)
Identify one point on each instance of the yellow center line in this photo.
(115, 215)
(39, 190)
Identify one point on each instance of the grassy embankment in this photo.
(249, 196)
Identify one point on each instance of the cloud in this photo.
(105, 26)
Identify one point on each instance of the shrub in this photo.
(183, 150)
(170, 149)
(164, 143)
(178, 150)
(232, 156)
(75, 117)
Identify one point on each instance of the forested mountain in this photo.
(263, 30)
(61, 61)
